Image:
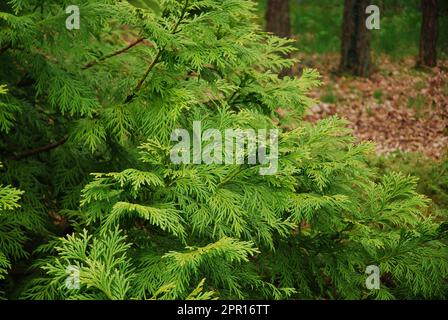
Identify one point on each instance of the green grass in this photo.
(445, 89)
(432, 174)
(318, 24)
(379, 96)
(329, 96)
(400, 31)
(417, 103)
(420, 85)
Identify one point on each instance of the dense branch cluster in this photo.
(86, 117)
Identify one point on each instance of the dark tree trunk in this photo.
(278, 22)
(277, 18)
(429, 33)
(355, 41)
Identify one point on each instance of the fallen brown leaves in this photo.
(398, 107)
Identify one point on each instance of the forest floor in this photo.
(399, 107)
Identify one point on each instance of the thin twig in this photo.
(142, 80)
(231, 176)
(38, 150)
(113, 54)
(184, 11)
(3, 49)
(131, 96)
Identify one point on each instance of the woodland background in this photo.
(401, 103)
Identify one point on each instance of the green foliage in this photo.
(432, 175)
(141, 227)
(106, 271)
(329, 96)
(11, 237)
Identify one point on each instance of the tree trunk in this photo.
(277, 18)
(278, 22)
(355, 41)
(429, 33)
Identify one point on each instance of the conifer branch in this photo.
(234, 97)
(3, 49)
(38, 150)
(231, 176)
(142, 80)
(305, 233)
(113, 54)
(182, 16)
(156, 60)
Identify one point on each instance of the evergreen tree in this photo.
(11, 235)
(86, 135)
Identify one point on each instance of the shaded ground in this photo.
(399, 107)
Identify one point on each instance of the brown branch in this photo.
(113, 54)
(184, 11)
(38, 150)
(142, 80)
(131, 96)
(3, 49)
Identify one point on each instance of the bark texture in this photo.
(429, 33)
(355, 41)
